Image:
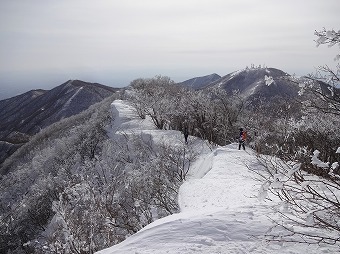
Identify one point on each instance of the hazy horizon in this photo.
(10, 90)
(44, 43)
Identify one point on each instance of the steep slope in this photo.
(199, 82)
(26, 114)
(12, 104)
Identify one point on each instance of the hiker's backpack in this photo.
(244, 135)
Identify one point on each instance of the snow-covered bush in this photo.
(308, 201)
(211, 115)
(131, 184)
(307, 180)
(273, 126)
(154, 97)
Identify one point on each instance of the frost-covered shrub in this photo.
(307, 179)
(211, 115)
(308, 201)
(132, 183)
(155, 97)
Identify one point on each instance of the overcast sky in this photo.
(43, 43)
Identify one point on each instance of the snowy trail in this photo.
(220, 187)
(220, 212)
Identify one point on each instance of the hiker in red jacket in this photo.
(242, 139)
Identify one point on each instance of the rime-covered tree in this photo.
(307, 180)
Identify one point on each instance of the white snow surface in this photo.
(268, 80)
(219, 208)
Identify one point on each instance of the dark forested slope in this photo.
(26, 114)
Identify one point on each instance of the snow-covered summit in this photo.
(255, 84)
(251, 83)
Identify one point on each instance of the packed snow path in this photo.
(220, 212)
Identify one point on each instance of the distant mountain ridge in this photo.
(255, 83)
(199, 82)
(24, 115)
(252, 84)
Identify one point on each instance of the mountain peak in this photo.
(32, 111)
(25, 109)
(254, 83)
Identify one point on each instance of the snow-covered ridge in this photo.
(220, 211)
